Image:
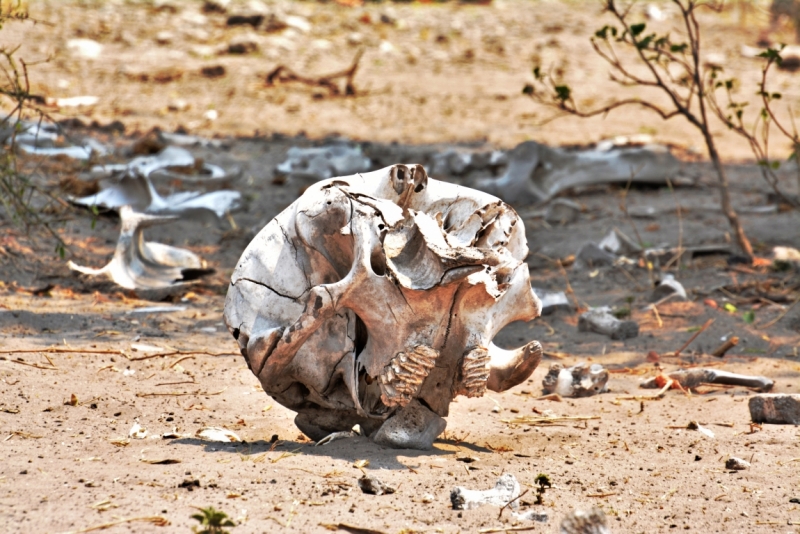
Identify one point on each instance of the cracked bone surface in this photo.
(373, 299)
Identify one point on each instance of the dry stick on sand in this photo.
(510, 502)
(720, 351)
(282, 73)
(702, 329)
(782, 315)
(657, 396)
(61, 350)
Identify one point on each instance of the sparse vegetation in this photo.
(664, 62)
(212, 521)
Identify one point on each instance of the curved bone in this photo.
(138, 264)
(377, 290)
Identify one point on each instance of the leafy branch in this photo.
(671, 65)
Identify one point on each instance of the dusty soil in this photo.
(68, 465)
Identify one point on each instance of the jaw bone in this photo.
(138, 264)
(376, 296)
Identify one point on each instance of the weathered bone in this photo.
(138, 264)
(537, 172)
(692, 378)
(375, 297)
(582, 380)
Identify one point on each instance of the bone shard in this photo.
(505, 491)
(374, 298)
(582, 380)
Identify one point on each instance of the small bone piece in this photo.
(668, 289)
(374, 486)
(138, 264)
(137, 431)
(736, 464)
(552, 300)
(777, 409)
(335, 436)
(691, 378)
(582, 380)
(583, 522)
(505, 491)
(601, 321)
(222, 435)
(373, 300)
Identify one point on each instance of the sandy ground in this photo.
(69, 464)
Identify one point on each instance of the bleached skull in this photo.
(381, 292)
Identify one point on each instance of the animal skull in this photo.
(378, 289)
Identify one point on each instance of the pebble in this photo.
(736, 464)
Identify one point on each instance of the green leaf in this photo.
(637, 29)
(563, 92)
(728, 307)
(775, 165)
(644, 43)
(678, 48)
(749, 316)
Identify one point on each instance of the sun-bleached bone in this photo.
(378, 289)
(142, 265)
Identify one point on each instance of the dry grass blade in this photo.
(156, 520)
(181, 394)
(545, 420)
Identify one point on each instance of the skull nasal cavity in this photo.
(378, 262)
(362, 336)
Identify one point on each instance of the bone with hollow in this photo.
(378, 294)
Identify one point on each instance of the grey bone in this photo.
(601, 321)
(537, 173)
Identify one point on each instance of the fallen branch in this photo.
(694, 336)
(283, 74)
(181, 394)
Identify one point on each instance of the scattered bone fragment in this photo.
(537, 172)
(692, 378)
(130, 185)
(736, 464)
(504, 492)
(775, 408)
(222, 435)
(562, 211)
(137, 431)
(374, 486)
(786, 255)
(582, 380)
(619, 244)
(668, 289)
(142, 265)
(320, 163)
(531, 515)
(694, 425)
(601, 321)
(552, 301)
(585, 522)
(374, 298)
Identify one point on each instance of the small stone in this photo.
(243, 44)
(213, 71)
(216, 6)
(253, 19)
(164, 38)
(736, 464)
(374, 486)
(178, 105)
(495, 409)
(427, 498)
(775, 408)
